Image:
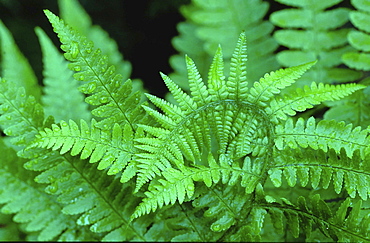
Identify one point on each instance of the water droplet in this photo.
(91, 87)
(74, 50)
(77, 68)
(216, 228)
(63, 123)
(8, 117)
(83, 220)
(114, 171)
(8, 132)
(81, 77)
(88, 50)
(5, 108)
(51, 189)
(103, 99)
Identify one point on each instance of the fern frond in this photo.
(113, 149)
(178, 185)
(38, 211)
(75, 16)
(321, 168)
(14, 66)
(236, 84)
(216, 78)
(116, 101)
(346, 223)
(98, 200)
(352, 109)
(21, 116)
(307, 97)
(272, 83)
(200, 35)
(324, 135)
(61, 99)
(359, 39)
(316, 39)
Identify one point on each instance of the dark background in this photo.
(143, 30)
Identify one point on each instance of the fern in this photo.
(111, 149)
(359, 39)
(58, 81)
(35, 210)
(15, 67)
(210, 23)
(101, 82)
(302, 216)
(321, 38)
(227, 158)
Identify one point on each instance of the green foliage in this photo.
(313, 33)
(228, 157)
(359, 39)
(200, 36)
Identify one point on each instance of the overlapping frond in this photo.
(359, 39)
(116, 101)
(348, 223)
(212, 23)
(352, 109)
(324, 135)
(75, 16)
(310, 35)
(14, 66)
(319, 168)
(308, 97)
(21, 116)
(178, 185)
(39, 212)
(61, 98)
(272, 83)
(98, 200)
(113, 148)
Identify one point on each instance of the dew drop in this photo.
(83, 220)
(74, 50)
(103, 99)
(88, 50)
(8, 117)
(51, 189)
(77, 68)
(216, 228)
(64, 124)
(81, 77)
(8, 132)
(5, 108)
(114, 171)
(91, 87)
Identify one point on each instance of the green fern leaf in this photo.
(237, 82)
(14, 66)
(115, 99)
(97, 200)
(351, 174)
(39, 212)
(21, 116)
(75, 16)
(359, 39)
(272, 83)
(302, 216)
(200, 36)
(352, 109)
(317, 39)
(111, 149)
(324, 135)
(304, 99)
(59, 82)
